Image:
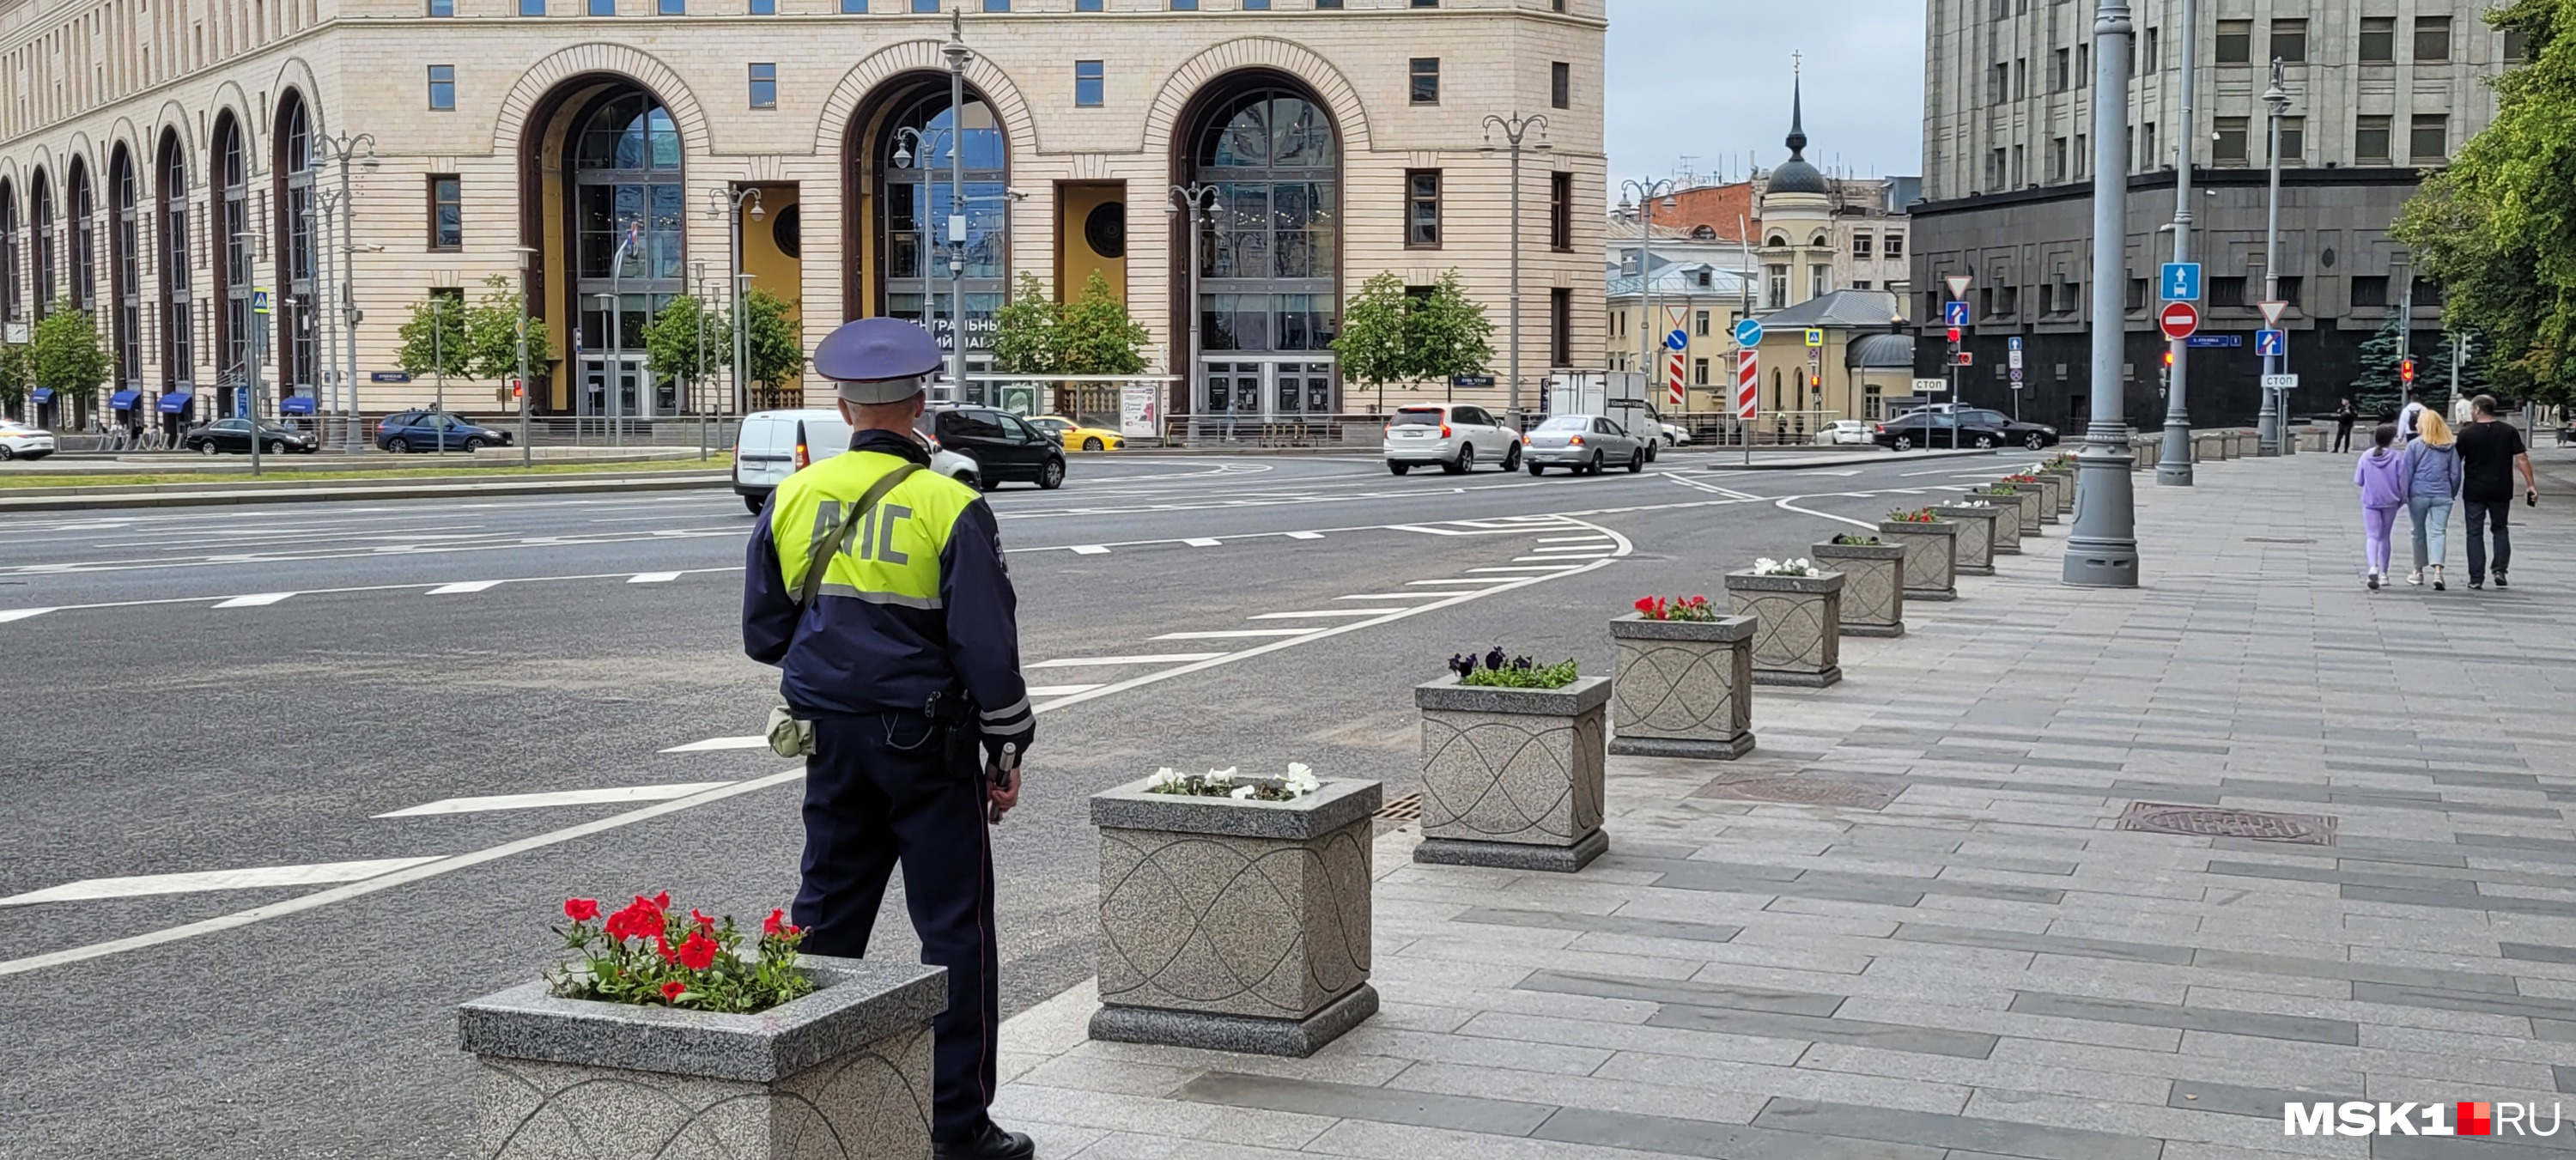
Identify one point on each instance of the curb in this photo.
(1851, 459)
(190, 495)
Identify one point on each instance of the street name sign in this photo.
(2179, 319)
(2181, 282)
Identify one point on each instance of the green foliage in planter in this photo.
(1849, 540)
(1921, 515)
(1496, 670)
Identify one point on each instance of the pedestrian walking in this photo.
(900, 646)
(2432, 482)
(2380, 473)
(2345, 416)
(2407, 418)
(2490, 452)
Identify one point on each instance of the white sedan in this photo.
(1674, 434)
(1582, 444)
(20, 441)
(1844, 432)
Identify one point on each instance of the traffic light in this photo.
(2168, 360)
(1954, 336)
(2406, 371)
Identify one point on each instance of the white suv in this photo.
(1455, 436)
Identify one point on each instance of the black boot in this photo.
(992, 1143)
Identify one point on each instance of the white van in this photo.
(773, 444)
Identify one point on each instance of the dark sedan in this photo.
(429, 429)
(1961, 427)
(233, 436)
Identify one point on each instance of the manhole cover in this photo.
(2205, 822)
(1401, 810)
(1803, 791)
(2276, 540)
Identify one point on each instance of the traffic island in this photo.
(1512, 778)
(1234, 924)
(1797, 639)
(1873, 584)
(1931, 555)
(1683, 688)
(1976, 537)
(843, 1072)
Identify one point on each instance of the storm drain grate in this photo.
(2204, 822)
(1401, 810)
(2276, 540)
(1801, 791)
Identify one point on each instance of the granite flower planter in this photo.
(1931, 557)
(1873, 585)
(1684, 688)
(1798, 635)
(2007, 529)
(1234, 925)
(1976, 538)
(840, 1074)
(1512, 778)
(2053, 494)
(2034, 497)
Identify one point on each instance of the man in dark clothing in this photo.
(2490, 451)
(2345, 417)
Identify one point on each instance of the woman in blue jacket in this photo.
(2433, 474)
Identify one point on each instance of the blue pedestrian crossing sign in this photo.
(2268, 343)
(1677, 341)
(1748, 333)
(2182, 282)
(259, 299)
(1954, 314)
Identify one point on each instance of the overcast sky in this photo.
(1709, 79)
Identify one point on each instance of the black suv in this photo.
(1005, 447)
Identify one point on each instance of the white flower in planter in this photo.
(1766, 566)
(1222, 775)
(1163, 778)
(1300, 780)
(1245, 792)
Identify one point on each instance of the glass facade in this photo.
(916, 202)
(295, 249)
(234, 246)
(178, 346)
(125, 257)
(1269, 256)
(84, 241)
(628, 215)
(40, 201)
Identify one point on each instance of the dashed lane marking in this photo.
(319, 873)
(1525, 567)
(1060, 690)
(465, 587)
(1383, 596)
(1090, 550)
(1573, 540)
(653, 578)
(1304, 535)
(1527, 559)
(1203, 542)
(1148, 659)
(1320, 614)
(713, 744)
(1232, 633)
(21, 613)
(257, 600)
(1459, 580)
(569, 797)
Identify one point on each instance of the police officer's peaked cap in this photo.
(878, 360)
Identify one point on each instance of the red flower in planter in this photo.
(672, 991)
(776, 921)
(697, 952)
(703, 922)
(581, 909)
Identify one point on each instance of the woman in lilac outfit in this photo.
(2382, 476)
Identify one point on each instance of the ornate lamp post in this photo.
(1644, 194)
(2102, 548)
(730, 204)
(1201, 206)
(958, 57)
(342, 149)
(2275, 418)
(2173, 459)
(1513, 129)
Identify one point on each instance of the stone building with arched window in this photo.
(586, 152)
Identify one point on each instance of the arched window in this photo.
(178, 332)
(1818, 241)
(12, 306)
(1270, 258)
(921, 141)
(125, 261)
(232, 254)
(1703, 233)
(292, 169)
(84, 241)
(628, 249)
(40, 207)
(1778, 242)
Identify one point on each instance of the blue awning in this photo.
(42, 394)
(295, 405)
(123, 400)
(175, 402)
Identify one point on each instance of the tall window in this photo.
(446, 212)
(84, 241)
(629, 215)
(1775, 287)
(233, 248)
(1269, 269)
(2235, 42)
(1560, 85)
(40, 205)
(2370, 139)
(178, 345)
(1861, 246)
(2057, 159)
(2227, 141)
(1090, 79)
(2294, 141)
(12, 306)
(125, 259)
(1895, 247)
(1426, 80)
(2290, 41)
(1560, 327)
(294, 249)
(2059, 78)
(2378, 39)
(1422, 209)
(764, 85)
(442, 85)
(1560, 212)
(926, 137)
(2428, 141)
(2432, 39)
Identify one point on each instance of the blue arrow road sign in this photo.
(1748, 333)
(2182, 282)
(2268, 343)
(1954, 314)
(1677, 341)
(2015, 341)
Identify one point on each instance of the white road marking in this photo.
(1784, 505)
(465, 587)
(653, 578)
(1059, 690)
(21, 614)
(1202, 542)
(1461, 580)
(1090, 550)
(1572, 540)
(254, 601)
(1150, 659)
(1328, 612)
(714, 744)
(1527, 559)
(1305, 535)
(1525, 567)
(1231, 633)
(257, 876)
(569, 797)
(1385, 596)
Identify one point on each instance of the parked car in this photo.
(1674, 435)
(1454, 436)
(1004, 447)
(1074, 436)
(20, 441)
(1961, 427)
(774, 444)
(1844, 432)
(1582, 443)
(233, 436)
(430, 429)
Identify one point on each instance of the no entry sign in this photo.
(2178, 319)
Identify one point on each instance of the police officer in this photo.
(905, 656)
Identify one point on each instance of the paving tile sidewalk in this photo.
(1987, 965)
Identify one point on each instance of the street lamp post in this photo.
(249, 240)
(698, 366)
(438, 363)
(958, 56)
(1202, 206)
(730, 204)
(326, 341)
(1648, 334)
(2102, 547)
(2274, 422)
(1514, 129)
(342, 149)
(527, 258)
(2173, 458)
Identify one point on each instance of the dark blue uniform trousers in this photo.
(880, 789)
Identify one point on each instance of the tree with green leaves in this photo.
(13, 374)
(2497, 227)
(492, 334)
(1446, 333)
(1025, 332)
(66, 353)
(2378, 389)
(688, 339)
(774, 351)
(1373, 343)
(1096, 336)
(434, 340)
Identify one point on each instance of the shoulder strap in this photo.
(826, 547)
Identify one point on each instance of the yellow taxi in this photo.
(1074, 436)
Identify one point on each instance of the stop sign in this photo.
(2178, 319)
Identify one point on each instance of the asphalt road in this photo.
(216, 691)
